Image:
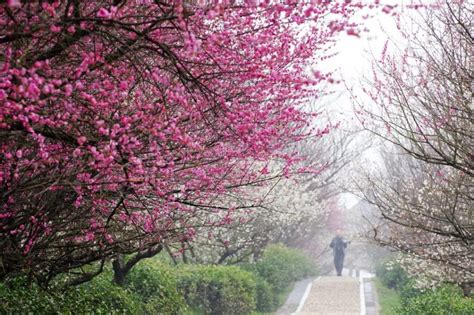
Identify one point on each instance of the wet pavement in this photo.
(331, 295)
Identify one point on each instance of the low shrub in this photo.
(99, 296)
(102, 296)
(445, 300)
(155, 284)
(17, 297)
(280, 266)
(391, 274)
(217, 289)
(154, 287)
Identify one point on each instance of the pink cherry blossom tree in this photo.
(122, 121)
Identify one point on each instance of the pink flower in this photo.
(14, 3)
(386, 9)
(55, 29)
(68, 90)
(104, 13)
(109, 238)
(81, 140)
(89, 236)
(33, 91)
(352, 32)
(77, 153)
(71, 29)
(78, 202)
(123, 85)
(3, 95)
(317, 74)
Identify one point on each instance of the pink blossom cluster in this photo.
(120, 123)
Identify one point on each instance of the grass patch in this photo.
(389, 299)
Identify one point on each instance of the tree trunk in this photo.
(119, 271)
(122, 268)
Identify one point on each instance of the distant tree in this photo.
(285, 213)
(292, 211)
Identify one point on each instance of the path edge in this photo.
(363, 310)
(304, 297)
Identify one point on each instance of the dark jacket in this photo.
(338, 244)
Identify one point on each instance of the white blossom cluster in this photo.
(281, 210)
(426, 213)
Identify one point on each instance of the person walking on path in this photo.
(338, 245)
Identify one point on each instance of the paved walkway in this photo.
(333, 296)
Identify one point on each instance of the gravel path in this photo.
(333, 296)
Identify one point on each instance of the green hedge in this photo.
(280, 266)
(267, 301)
(217, 289)
(155, 284)
(154, 287)
(98, 296)
(445, 300)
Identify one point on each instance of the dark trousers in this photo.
(338, 263)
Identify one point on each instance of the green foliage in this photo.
(266, 299)
(445, 300)
(391, 274)
(99, 296)
(217, 289)
(276, 271)
(155, 287)
(155, 284)
(280, 266)
(101, 293)
(409, 290)
(389, 299)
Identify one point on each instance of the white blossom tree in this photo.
(423, 106)
(278, 209)
(426, 213)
